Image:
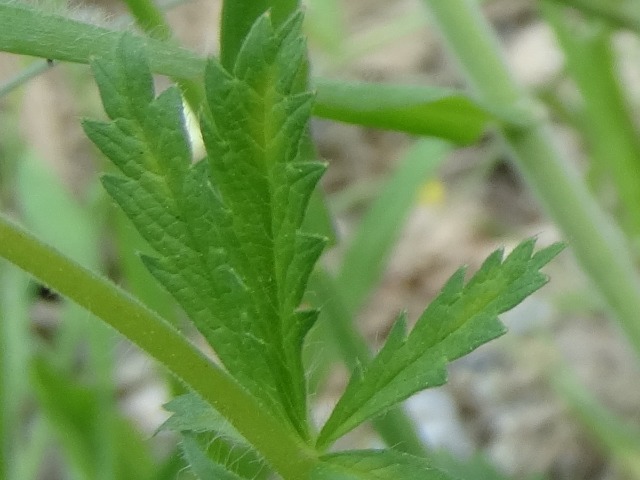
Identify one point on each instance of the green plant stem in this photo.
(597, 243)
(27, 31)
(30, 32)
(24, 76)
(15, 353)
(619, 440)
(376, 38)
(609, 124)
(280, 446)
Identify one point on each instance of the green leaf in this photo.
(460, 319)
(429, 111)
(214, 457)
(192, 414)
(200, 424)
(202, 465)
(376, 465)
(227, 229)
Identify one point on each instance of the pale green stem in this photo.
(23, 77)
(28, 31)
(15, 352)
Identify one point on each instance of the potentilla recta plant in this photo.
(229, 246)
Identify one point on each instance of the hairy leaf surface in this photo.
(213, 461)
(227, 229)
(460, 319)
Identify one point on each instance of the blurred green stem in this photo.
(14, 362)
(32, 71)
(610, 129)
(596, 242)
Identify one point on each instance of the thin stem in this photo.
(610, 129)
(288, 455)
(15, 352)
(597, 243)
(24, 76)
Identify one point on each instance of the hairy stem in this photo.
(28, 31)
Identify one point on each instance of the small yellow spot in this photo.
(432, 193)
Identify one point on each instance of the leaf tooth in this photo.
(145, 205)
(126, 86)
(522, 253)
(218, 85)
(291, 28)
(293, 112)
(115, 142)
(304, 320)
(295, 274)
(292, 53)
(293, 64)
(488, 269)
(293, 186)
(167, 138)
(256, 54)
(135, 75)
(108, 86)
(544, 256)
(396, 338)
